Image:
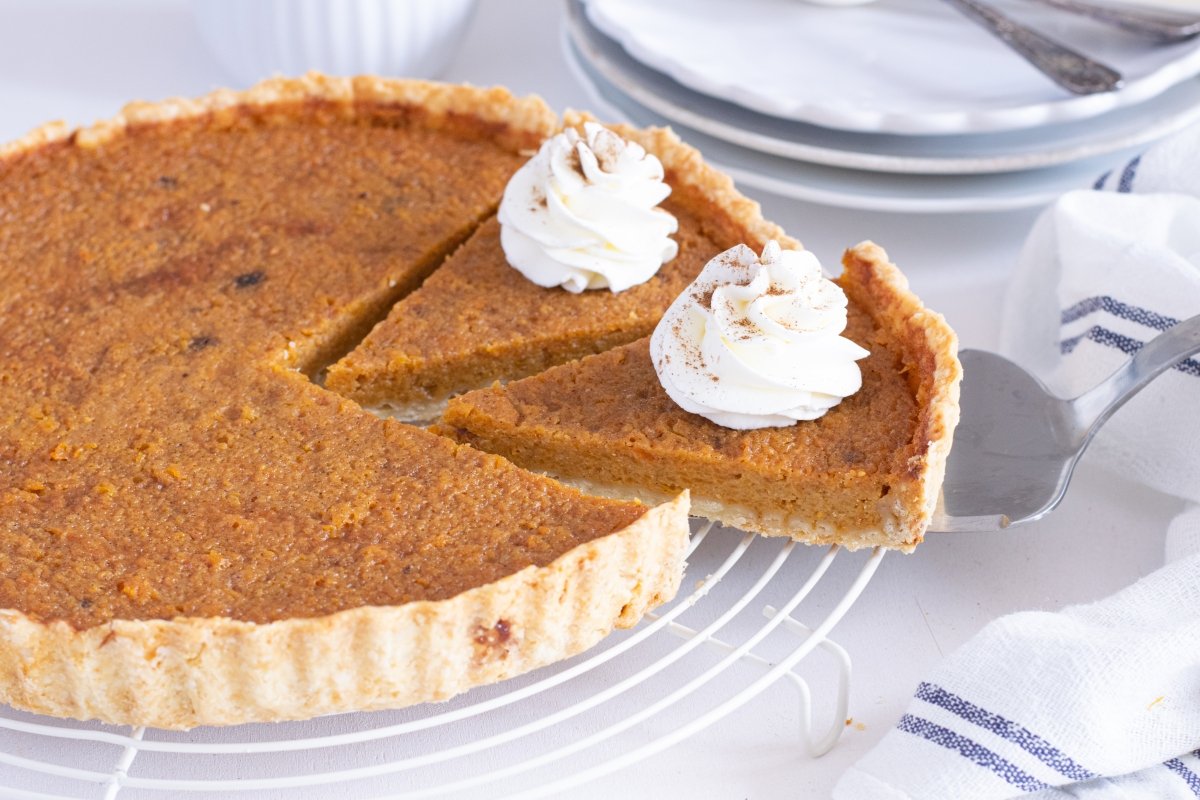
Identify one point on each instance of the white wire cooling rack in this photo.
(735, 630)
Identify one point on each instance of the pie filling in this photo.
(163, 291)
(169, 291)
(606, 420)
(477, 319)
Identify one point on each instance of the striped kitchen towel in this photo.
(1101, 273)
(1169, 166)
(1099, 700)
(1096, 701)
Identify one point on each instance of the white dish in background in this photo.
(845, 188)
(1008, 151)
(897, 66)
(255, 39)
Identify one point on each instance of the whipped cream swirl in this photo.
(582, 213)
(756, 343)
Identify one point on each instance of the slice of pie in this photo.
(194, 533)
(866, 473)
(477, 320)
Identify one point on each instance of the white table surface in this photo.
(80, 61)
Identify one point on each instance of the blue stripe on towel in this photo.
(1126, 344)
(1103, 179)
(1028, 741)
(1128, 174)
(972, 751)
(1189, 777)
(1142, 316)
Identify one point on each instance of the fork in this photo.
(1017, 444)
(1069, 68)
(1163, 27)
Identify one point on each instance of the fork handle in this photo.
(1173, 346)
(1161, 27)
(1068, 68)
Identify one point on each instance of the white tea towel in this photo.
(1099, 275)
(1099, 700)
(1092, 699)
(1169, 166)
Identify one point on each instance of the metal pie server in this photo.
(1016, 444)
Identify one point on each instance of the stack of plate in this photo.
(901, 105)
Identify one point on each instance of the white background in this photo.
(80, 61)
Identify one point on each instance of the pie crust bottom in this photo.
(891, 532)
(184, 672)
(415, 413)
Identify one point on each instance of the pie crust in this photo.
(927, 337)
(188, 671)
(185, 672)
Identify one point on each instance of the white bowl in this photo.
(254, 39)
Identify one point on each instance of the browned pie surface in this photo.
(160, 457)
(478, 319)
(607, 420)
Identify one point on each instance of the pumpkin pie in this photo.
(866, 473)
(477, 320)
(192, 532)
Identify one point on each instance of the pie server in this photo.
(1016, 444)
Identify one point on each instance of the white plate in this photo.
(1008, 151)
(832, 186)
(896, 66)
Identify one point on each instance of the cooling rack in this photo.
(750, 611)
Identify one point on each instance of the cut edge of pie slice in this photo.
(187, 671)
(390, 379)
(541, 423)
